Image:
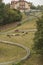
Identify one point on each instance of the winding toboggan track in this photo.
(19, 45)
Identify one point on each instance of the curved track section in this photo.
(19, 45)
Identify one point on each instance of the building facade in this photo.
(21, 5)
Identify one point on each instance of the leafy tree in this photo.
(38, 46)
(8, 15)
(7, 6)
(39, 7)
(1, 12)
(33, 6)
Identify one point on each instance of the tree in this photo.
(39, 7)
(38, 46)
(11, 16)
(8, 15)
(2, 6)
(32, 6)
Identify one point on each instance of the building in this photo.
(21, 5)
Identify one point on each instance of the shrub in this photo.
(8, 15)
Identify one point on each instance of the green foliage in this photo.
(17, 64)
(33, 7)
(1, 12)
(38, 46)
(40, 7)
(8, 15)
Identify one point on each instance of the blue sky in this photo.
(35, 2)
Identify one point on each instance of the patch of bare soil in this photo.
(8, 26)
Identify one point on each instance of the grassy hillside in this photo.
(9, 52)
(26, 40)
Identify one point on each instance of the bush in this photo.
(38, 46)
(8, 15)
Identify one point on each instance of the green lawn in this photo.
(26, 40)
(9, 53)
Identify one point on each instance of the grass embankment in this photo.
(11, 26)
(10, 52)
(26, 40)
